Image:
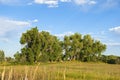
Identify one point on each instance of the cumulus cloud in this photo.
(115, 29)
(104, 4)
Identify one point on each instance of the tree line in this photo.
(43, 47)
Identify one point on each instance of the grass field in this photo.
(61, 71)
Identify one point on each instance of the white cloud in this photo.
(35, 20)
(92, 2)
(115, 29)
(64, 34)
(85, 2)
(54, 3)
(7, 25)
(65, 0)
(50, 3)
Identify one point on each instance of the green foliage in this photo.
(50, 46)
(82, 48)
(40, 45)
(43, 47)
(31, 41)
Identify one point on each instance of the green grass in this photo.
(61, 71)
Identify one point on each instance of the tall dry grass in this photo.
(61, 71)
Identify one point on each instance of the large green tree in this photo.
(40, 46)
(83, 48)
(73, 45)
(31, 41)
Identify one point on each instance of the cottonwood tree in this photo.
(31, 41)
(42, 46)
(39, 46)
(50, 46)
(82, 48)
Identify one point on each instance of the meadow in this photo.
(61, 71)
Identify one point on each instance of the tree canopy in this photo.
(43, 46)
(83, 48)
(39, 46)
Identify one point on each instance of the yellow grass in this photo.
(61, 71)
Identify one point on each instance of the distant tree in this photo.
(2, 56)
(118, 60)
(9, 59)
(104, 58)
(112, 59)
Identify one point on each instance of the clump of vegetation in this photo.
(111, 59)
(43, 47)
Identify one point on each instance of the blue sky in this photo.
(100, 18)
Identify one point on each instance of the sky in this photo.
(99, 18)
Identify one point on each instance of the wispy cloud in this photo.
(64, 34)
(85, 2)
(54, 3)
(7, 25)
(3, 39)
(50, 3)
(8, 2)
(113, 44)
(103, 4)
(35, 20)
(10, 27)
(110, 4)
(115, 29)
(65, 0)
